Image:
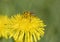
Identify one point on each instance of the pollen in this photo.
(26, 27)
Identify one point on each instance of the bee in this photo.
(28, 14)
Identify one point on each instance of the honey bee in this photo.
(28, 14)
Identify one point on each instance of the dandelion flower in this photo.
(26, 28)
(4, 26)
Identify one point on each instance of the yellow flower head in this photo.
(4, 26)
(26, 28)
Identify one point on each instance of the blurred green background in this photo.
(47, 10)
